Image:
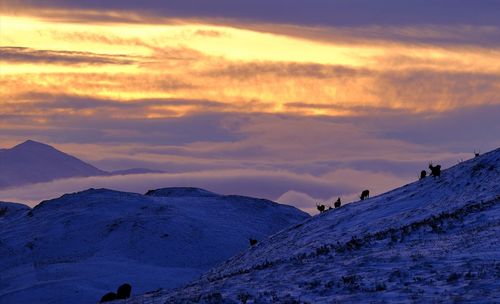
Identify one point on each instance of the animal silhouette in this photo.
(337, 203)
(365, 194)
(124, 291)
(435, 170)
(423, 174)
(110, 296)
(476, 154)
(321, 208)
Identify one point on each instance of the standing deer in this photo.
(423, 174)
(337, 203)
(365, 194)
(435, 170)
(321, 208)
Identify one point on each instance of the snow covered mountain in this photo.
(34, 162)
(76, 248)
(435, 240)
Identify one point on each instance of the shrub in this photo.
(453, 277)
(322, 250)
(243, 297)
(380, 287)
(215, 297)
(351, 281)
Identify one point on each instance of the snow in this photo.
(9, 211)
(434, 240)
(76, 248)
(181, 191)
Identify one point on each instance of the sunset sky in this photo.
(295, 101)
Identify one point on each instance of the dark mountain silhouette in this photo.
(34, 162)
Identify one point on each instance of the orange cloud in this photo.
(247, 70)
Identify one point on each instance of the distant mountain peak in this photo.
(34, 162)
(30, 144)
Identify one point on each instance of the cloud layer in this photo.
(257, 183)
(293, 159)
(313, 12)
(286, 100)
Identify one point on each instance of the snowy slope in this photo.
(34, 162)
(10, 211)
(434, 240)
(84, 244)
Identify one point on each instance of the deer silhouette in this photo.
(435, 170)
(124, 291)
(476, 154)
(337, 203)
(110, 296)
(365, 194)
(423, 174)
(321, 208)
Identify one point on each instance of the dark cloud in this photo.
(92, 84)
(445, 35)
(45, 101)
(239, 136)
(313, 13)
(461, 130)
(28, 55)
(438, 89)
(208, 33)
(76, 129)
(60, 119)
(242, 70)
(412, 83)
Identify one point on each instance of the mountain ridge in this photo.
(83, 244)
(33, 162)
(434, 239)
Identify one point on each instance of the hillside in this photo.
(9, 211)
(84, 244)
(34, 162)
(432, 240)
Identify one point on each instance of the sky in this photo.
(295, 101)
